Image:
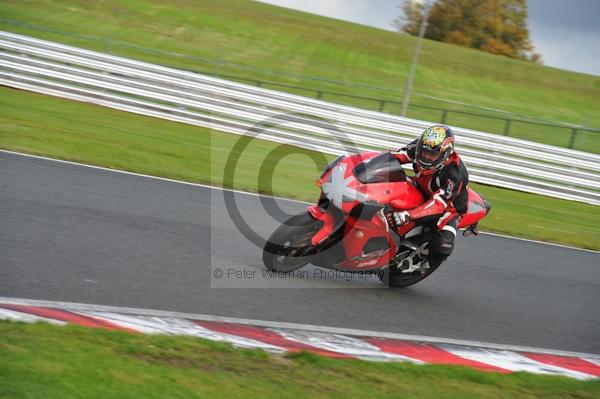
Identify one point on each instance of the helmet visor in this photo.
(429, 157)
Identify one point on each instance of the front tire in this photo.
(289, 247)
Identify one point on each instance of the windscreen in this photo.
(383, 168)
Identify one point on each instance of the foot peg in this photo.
(472, 230)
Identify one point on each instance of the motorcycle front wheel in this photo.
(289, 247)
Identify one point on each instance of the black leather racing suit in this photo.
(447, 198)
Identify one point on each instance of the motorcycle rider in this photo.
(442, 177)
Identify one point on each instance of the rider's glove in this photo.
(399, 218)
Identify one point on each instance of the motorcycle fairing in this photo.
(477, 208)
(351, 205)
(357, 236)
(329, 223)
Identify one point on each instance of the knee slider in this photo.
(445, 248)
(441, 247)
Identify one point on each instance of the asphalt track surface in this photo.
(78, 234)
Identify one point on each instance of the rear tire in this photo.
(395, 278)
(289, 247)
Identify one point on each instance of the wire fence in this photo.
(568, 132)
(485, 119)
(223, 105)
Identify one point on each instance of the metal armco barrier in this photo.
(50, 68)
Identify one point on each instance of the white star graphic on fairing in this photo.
(336, 189)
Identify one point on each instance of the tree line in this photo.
(495, 26)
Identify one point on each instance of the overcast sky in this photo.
(565, 32)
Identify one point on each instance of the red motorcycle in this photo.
(348, 230)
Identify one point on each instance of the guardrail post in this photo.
(573, 134)
(444, 117)
(507, 127)
(381, 105)
(319, 94)
(258, 83)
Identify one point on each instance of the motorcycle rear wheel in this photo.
(395, 278)
(289, 246)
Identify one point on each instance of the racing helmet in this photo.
(434, 148)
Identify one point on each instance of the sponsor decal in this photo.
(449, 189)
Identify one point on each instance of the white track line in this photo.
(80, 307)
(252, 194)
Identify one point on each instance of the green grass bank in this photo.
(48, 361)
(259, 41)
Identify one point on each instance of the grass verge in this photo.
(47, 361)
(95, 135)
(260, 41)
